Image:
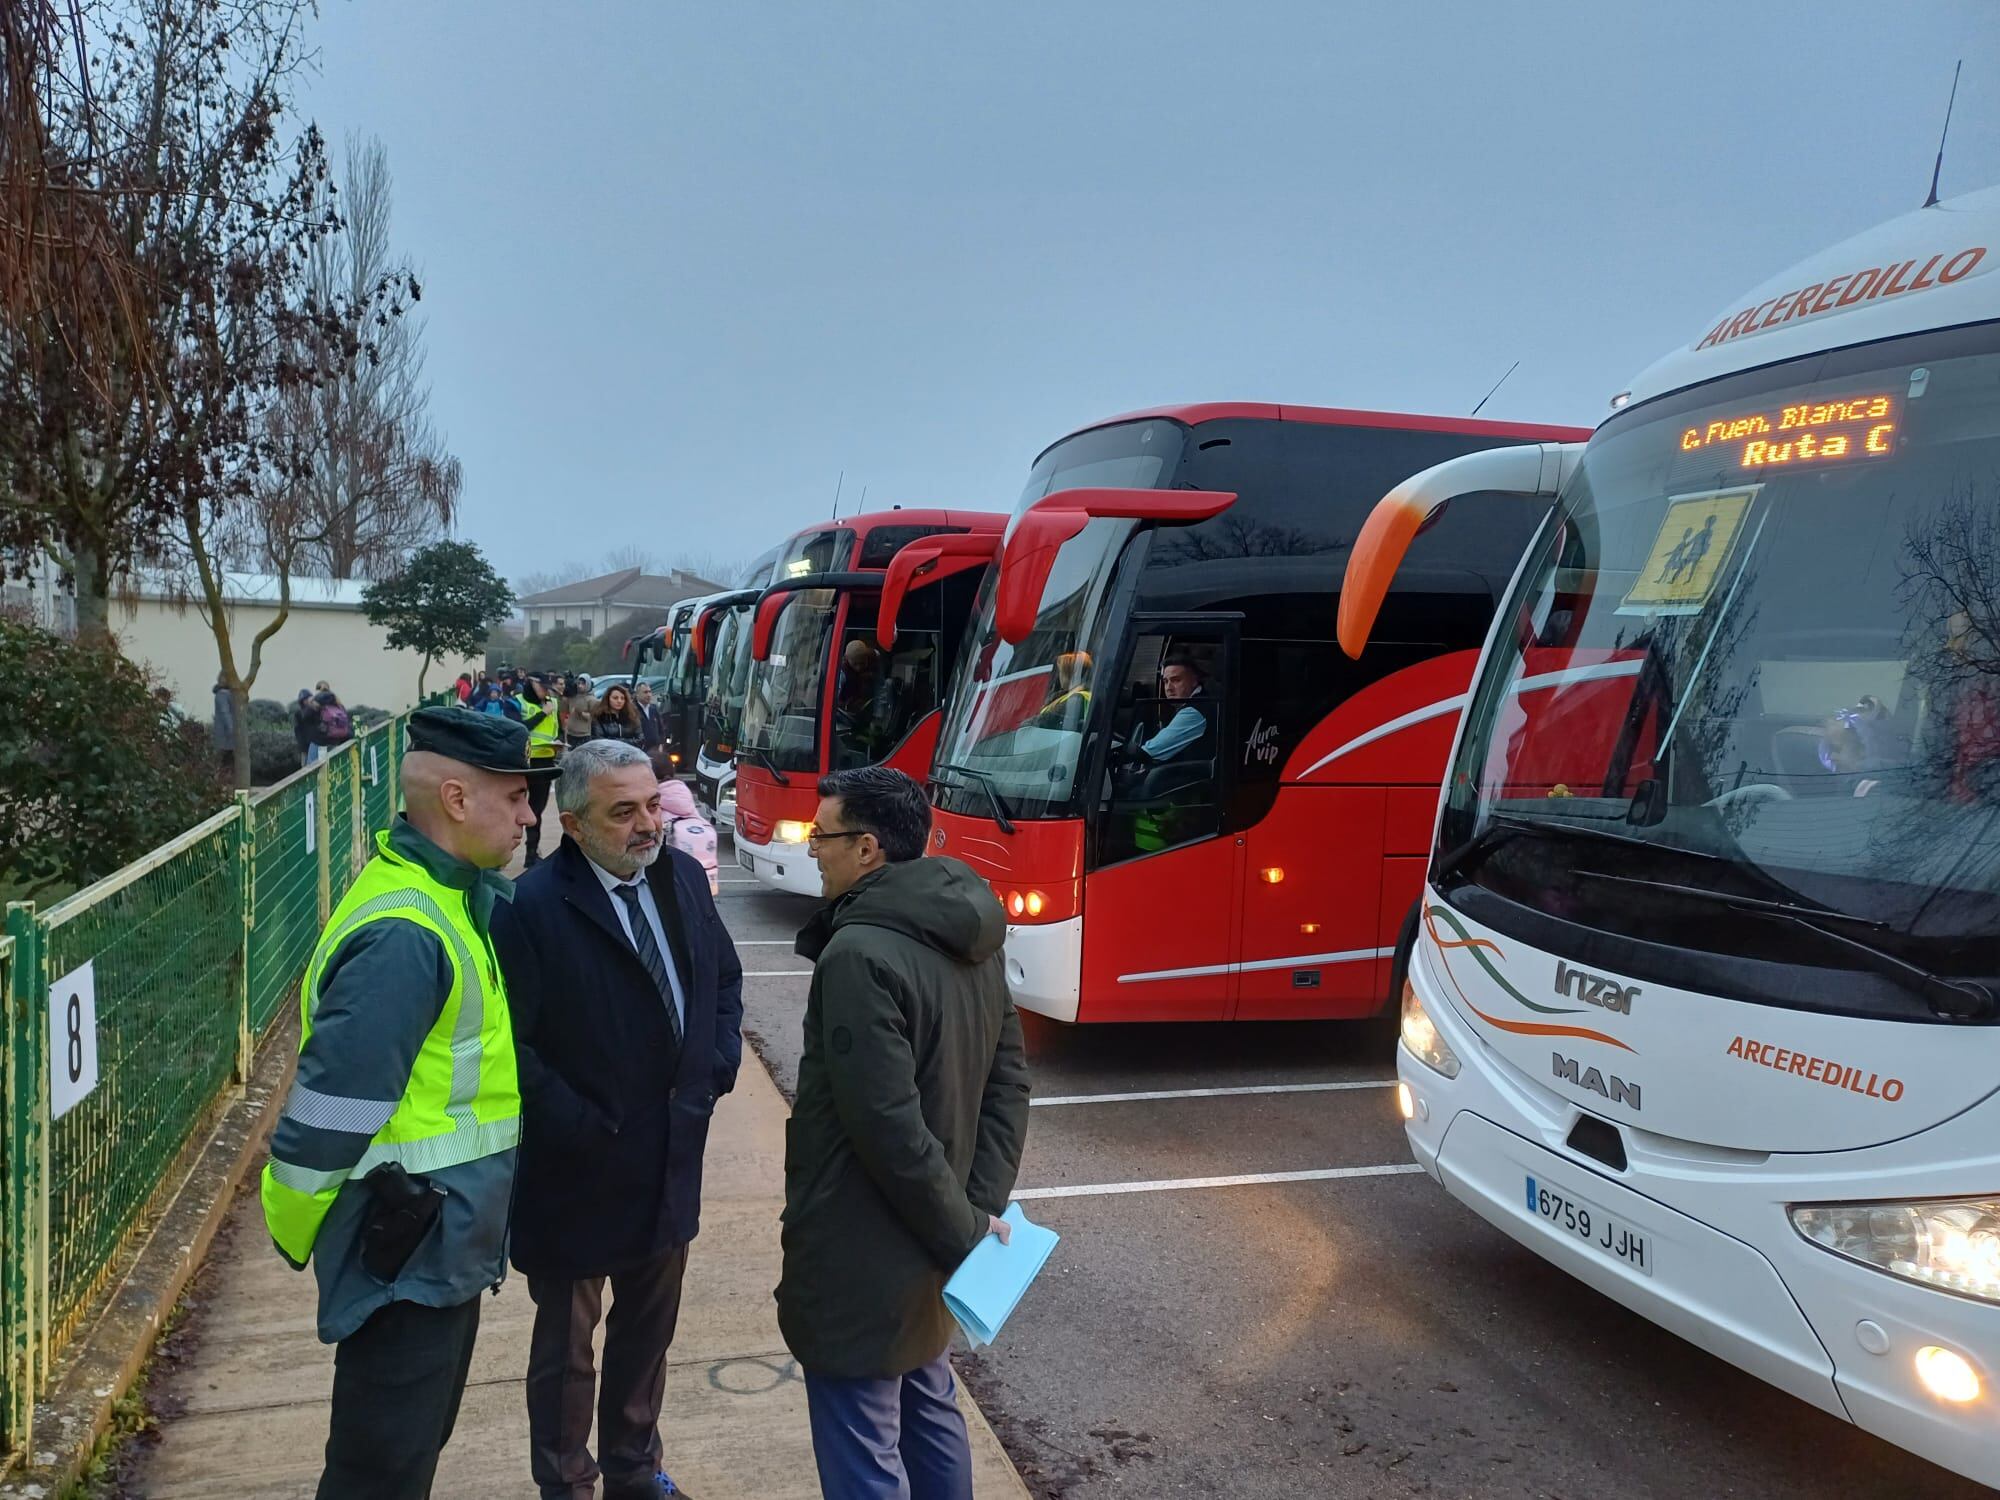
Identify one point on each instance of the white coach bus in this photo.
(1703, 1007)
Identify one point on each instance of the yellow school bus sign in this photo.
(1695, 539)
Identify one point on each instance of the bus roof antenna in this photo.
(1496, 386)
(1938, 166)
(836, 493)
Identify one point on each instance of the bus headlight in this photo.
(1952, 1244)
(1421, 1037)
(791, 831)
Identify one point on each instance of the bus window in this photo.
(1165, 782)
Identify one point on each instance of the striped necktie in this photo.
(649, 953)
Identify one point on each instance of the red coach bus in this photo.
(1150, 726)
(829, 688)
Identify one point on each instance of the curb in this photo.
(94, 1372)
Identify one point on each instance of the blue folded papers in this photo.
(988, 1284)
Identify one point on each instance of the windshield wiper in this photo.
(1955, 999)
(1501, 827)
(984, 781)
(762, 757)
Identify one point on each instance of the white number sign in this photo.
(72, 1040)
(312, 822)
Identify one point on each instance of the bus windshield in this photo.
(683, 673)
(781, 709)
(1018, 714)
(728, 676)
(1746, 692)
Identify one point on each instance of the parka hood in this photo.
(939, 902)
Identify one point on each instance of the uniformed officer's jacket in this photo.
(544, 733)
(407, 1055)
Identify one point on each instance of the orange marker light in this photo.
(1272, 875)
(1036, 902)
(1308, 928)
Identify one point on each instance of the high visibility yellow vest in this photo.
(463, 1100)
(544, 734)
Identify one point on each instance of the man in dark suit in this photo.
(627, 1001)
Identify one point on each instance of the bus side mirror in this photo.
(1536, 471)
(936, 558)
(1037, 535)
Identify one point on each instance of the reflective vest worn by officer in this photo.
(406, 1056)
(544, 733)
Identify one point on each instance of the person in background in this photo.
(222, 732)
(1069, 701)
(579, 706)
(652, 724)
(335, 728)
(904, 1143)
(687, 830)
(616, 718)
(392, 1166)
(463, 687)
(539, 716)
(305, 725)
(627, 999)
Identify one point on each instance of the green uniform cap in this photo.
(486, 741)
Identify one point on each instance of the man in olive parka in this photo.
(904, 1142)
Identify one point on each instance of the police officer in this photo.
(543, 720)
(392, 1167)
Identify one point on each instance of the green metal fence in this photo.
(156, 983)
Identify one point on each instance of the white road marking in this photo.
(1182, 1184)
(764, 942)
(777, 973)
(1227, 1093)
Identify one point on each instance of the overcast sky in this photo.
(684, 264)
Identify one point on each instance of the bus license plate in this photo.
(743, 858)
(1591, 1224)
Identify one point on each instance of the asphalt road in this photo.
(1356, 1336)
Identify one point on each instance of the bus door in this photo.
(1160, 929)
(886, 698)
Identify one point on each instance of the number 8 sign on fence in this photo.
(72, 1040)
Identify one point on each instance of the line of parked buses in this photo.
(1654, 771)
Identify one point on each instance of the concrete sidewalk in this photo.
(253, 1397)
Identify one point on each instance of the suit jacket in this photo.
(613, 1118)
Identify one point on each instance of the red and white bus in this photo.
(829, 688)
(1192, 805)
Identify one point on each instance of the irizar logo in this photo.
(1595, 989)
(1618, 1091)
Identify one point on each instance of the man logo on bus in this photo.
(1618, 1091)
(1594, 989)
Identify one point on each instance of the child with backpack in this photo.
(334, 728)
(687, 830)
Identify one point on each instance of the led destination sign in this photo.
(1811, 432)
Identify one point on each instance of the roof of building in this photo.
(252, 588)
(628, 586)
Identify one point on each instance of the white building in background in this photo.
(326, 637)
(40, 596)
(594, 605)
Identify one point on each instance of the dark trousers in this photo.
(397, 1381)
(538, 803)
(563, 1385)
(898, 1439)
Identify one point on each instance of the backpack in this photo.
(687, 831)
(333, 723)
